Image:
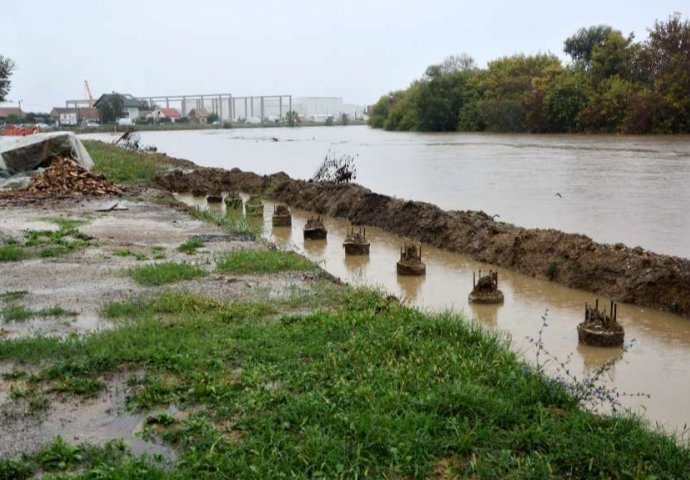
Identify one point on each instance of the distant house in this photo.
(161, 113)
(73, 116)
(134, 108)
(6, 112)
(198, 115)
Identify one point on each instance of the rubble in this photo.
(64, 177)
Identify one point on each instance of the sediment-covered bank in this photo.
(631, 275)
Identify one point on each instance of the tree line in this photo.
(613, 84)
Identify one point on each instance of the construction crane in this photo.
(87, 90)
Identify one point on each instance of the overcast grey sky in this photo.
(354, 49)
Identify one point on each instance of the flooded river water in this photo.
(613, 188)
(627, 189)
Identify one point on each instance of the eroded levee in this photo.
(630, 275)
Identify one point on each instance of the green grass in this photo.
(190, 246)
(61, 459)
(262, 261)
(47, 243)
(233, 223)
(12, 253)
(123, 166)
(165, 272)
(12, 295)
(20, 313)
(370, 390)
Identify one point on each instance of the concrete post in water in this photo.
(599, 329)
(485, 288)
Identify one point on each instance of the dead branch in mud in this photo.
(334, 169)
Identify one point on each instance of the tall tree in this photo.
(111, 107)
(669, 56)
(581, 45)
(6, 69)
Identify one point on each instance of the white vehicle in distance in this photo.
(92, 124)
(125, 122)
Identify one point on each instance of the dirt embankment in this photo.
(631, 275)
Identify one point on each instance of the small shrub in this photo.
(552, 271)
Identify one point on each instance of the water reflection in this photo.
(316, 248)
(356, 265)
(282, 235)
(485, 314)
(410, 286)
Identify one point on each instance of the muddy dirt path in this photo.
(629, 275)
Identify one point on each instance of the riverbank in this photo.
(176, 127)
(630, 275)
(250, 363)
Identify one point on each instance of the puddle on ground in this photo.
(656, 364)
(95, 421)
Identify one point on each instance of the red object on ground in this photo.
(19, 131)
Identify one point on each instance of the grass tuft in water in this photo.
(20, 313)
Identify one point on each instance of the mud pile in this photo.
(64, 177)
(630, 275)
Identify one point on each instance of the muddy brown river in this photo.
(613, 188)
(629, 189)
(655, 365)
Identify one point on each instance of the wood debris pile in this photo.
(65, 177)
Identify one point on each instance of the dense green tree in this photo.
(563, 101)
(212, 117)
(613, 57)
(111, 107)
(614, 84)
(291, 118)
(669, 54)
(6, 69)
(508, 85)
(581, 45)
(380, 110)
(440, 101)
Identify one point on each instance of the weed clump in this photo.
(190, 246)
(263, 261)
(166, 272)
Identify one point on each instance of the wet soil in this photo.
(93, 420)
(84, 281)
(630, 275)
